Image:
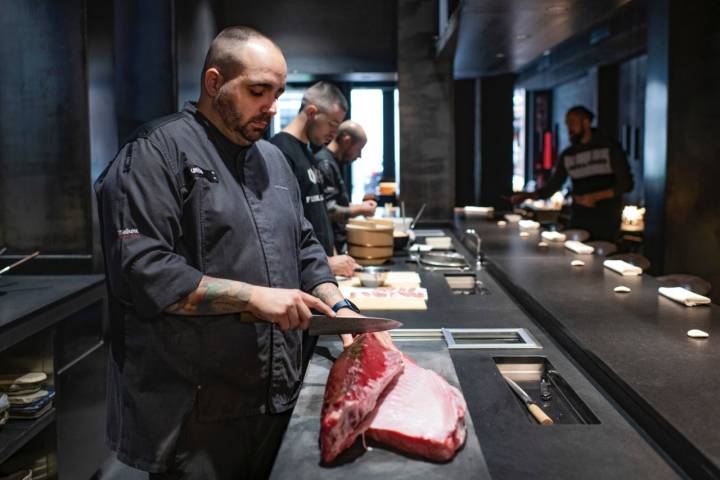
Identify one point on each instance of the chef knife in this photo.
(324, 325)
(534, 409)
(20, 262)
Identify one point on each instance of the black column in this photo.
(496, 137)
(145, 68)
(467, 159)
(682, 145)
(607, 100)
(388, 135)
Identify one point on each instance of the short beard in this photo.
(232, 119)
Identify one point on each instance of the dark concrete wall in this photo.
(682, 145)
(145, 73)
(44, 141)
(427, 157)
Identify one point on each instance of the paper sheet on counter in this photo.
(394, 279)
(387, 298)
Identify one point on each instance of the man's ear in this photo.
(212, 81)
(310, 111)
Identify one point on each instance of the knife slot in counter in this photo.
(549, 391)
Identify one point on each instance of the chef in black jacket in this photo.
(322, 110)
(202, 226)
(600, 176)
(344, 149)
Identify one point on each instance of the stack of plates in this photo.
(370, 242)
(4, 409)
(26, 396)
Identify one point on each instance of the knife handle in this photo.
(539, 415)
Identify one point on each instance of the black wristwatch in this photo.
(345, 303)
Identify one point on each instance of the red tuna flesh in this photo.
(420, 414)
(356, 381)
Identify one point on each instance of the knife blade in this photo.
(534, 409)
(324, 325)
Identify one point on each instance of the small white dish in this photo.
(621, 289)
(577, 263)
(695, 333)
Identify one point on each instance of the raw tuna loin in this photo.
(375, 388)
(420, 414)
(356, 381)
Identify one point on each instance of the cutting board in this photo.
(394, 279)
(386, 298)
(299, 455)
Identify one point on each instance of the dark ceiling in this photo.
(323, 36)
(501, 36)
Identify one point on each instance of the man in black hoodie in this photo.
(600, 176)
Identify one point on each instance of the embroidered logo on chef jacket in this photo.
(198, 172)
(128, 234)
(314, 198)
(312, 175)
(589, 163)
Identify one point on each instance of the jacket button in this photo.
(199, 387)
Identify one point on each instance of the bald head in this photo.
(226, 52)
(353, 130)
(349, 141)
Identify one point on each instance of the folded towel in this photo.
(578, 247)
(471, 211)
(528, 224)
(622, 267)
(553, 236)
(684, 296)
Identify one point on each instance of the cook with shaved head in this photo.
(212, 272)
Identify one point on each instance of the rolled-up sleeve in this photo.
(140, 207)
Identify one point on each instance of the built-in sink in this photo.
(465, 283)
(443, 259)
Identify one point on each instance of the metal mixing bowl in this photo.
(373, 277)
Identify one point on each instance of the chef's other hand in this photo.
(369, 206)
(518, 198)
(289, 309)
(343, 265)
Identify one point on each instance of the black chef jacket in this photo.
(336, 195)
(301, 160)
(179, 201)
(597, 165)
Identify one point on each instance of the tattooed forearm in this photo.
(329, 293)
(214, 296)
